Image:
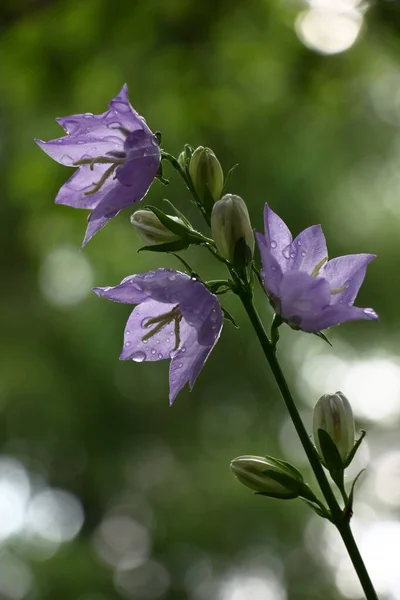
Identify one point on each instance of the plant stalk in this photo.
(337, 515)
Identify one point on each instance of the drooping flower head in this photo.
(176, 318)
(117, 158)
(308, 291)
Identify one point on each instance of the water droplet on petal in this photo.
(180, 365)
(273, 244)
(144, 341)
(88, 115)
(138, 356)
(273, 268)
(144, 322)
(153, 350)
(370, 311)
(303, 253)
(127, 332)
(66, 159)
(167, 340)
(280, 225)
(171, 277)
(172, 353)
(293, 255)
(160, 356)
(183, 349)
(114, 125)
(286, 252)
(299, 242)
(127, 344)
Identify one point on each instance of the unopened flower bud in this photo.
(333, 414)
(206, 173)
(232, 231)
(151, 230)
(257, 473)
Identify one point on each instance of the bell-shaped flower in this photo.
(308, 291)
(117, 158)
(176, 318)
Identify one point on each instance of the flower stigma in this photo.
(162, 321)
(104, 160)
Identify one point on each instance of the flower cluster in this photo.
(178, 316)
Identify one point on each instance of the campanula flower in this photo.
(176, 318)
(308, 291)
(117, 158)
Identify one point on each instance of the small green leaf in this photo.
(330, 453)
(169, 223)
(228, 177)
(229, 317)
(348, 511)
(322, 512)
(179, 214)
(169, 247)
(323, 337)
(355, 448)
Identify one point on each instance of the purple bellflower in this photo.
(117, 158)
(176, 317)
(308, 291)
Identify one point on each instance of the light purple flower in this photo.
(308, 291)
(176, 317)
(117, 155)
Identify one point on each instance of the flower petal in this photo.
(160, 345)
(189, 360)
(69, 149)
(308, 250)
(303, 296)
(163, 285)
(277, 237)
(121, 196)
(142, 161)
(271, 272)
(334, 315)
(348, 272)
(72, 193)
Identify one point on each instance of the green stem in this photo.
(342, 525)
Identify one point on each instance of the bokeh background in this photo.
(107, 493)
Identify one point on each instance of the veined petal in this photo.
(271, 272)
(127, 115)
(160, 345)
(334, 315)
(72, 193)
(121, 196)
(302, 296)
(69, 149)
(141, 165)
(346, 273)
(277, 237)
(308, 250)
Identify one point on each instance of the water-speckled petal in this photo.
(334, 315)
(160, 346)
(277, 237)
(308, 250)
(271, 272)
(303, 296)
(346, 272)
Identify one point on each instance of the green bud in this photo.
(182, 159)
(232, 231)
(206, 174)
(151, 230)
(268, 476)
(333, 414)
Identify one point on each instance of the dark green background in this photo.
(318, 138)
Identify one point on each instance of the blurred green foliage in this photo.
(318, 138)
